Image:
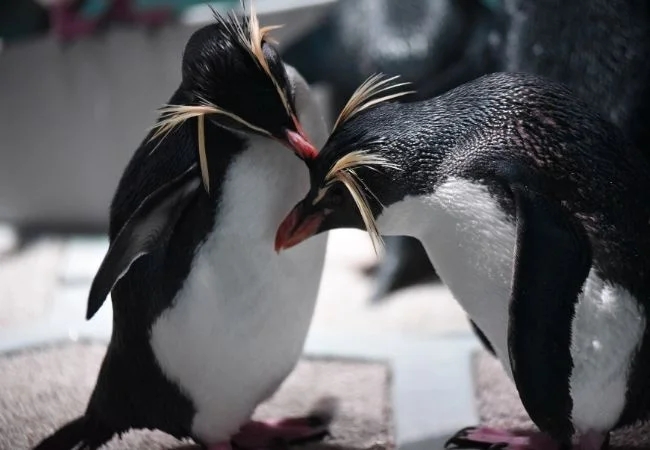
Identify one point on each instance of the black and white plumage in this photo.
(536, 213)
(207, 319)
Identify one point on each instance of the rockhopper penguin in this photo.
(536, 213)
(437, 45)
(207, 319)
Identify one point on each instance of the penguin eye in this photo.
(335, 197)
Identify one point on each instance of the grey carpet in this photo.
(43, 388)
(499, 405)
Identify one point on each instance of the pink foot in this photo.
(265, 435)
(593, 440)
(491, 438)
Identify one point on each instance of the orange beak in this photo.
(299, 142)
(294, 229)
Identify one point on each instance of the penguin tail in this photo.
(77, 434)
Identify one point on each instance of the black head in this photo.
(353, 178)
(232, 69)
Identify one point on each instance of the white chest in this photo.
(239, 322)
(472, 246)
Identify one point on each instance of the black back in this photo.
(599, 48)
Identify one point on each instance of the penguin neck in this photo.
(259, 188)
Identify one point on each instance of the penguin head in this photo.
(356, 175)
(233, 72)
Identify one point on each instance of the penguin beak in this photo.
(297, 227)
(299, 142)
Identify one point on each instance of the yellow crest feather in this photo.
(365, 96)
(257, 37)
(203, 158)
(344, 171)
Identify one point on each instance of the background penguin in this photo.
(535, 210)
(599, 48)
(208, 321)
(436, 44)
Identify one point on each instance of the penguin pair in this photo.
(535, 210)
(207, 319)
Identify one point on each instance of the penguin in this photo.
(535, 210)
(438, 45)
(207, 320)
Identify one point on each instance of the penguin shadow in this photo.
(404, 264)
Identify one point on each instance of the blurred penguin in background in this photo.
(599, 48)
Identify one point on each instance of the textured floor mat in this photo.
(43, 388)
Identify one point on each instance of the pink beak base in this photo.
(301, 145)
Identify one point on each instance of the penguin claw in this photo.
(460, 435)
(262, 435)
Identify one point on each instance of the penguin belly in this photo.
(237, 326)
(471, 242)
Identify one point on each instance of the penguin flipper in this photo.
(553, 259)
(150, 226)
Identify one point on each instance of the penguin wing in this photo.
(553, 259)
(149, 227)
